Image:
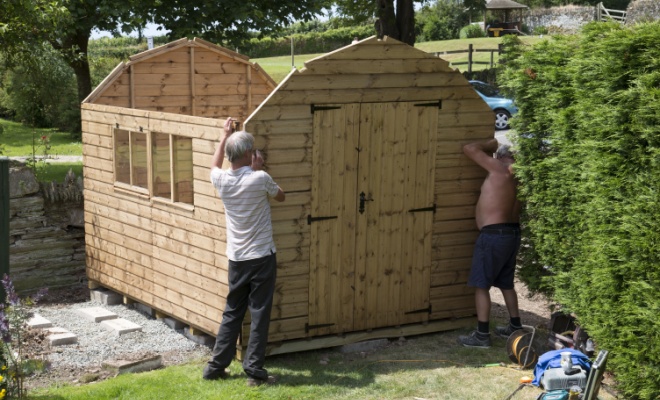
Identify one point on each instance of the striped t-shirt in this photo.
(244, 193)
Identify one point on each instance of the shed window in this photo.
(171, 173)
(131, 158)
(172, 167)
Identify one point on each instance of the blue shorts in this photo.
(494, 257)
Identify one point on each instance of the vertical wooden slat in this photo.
(248, 82)
(192, 82)
(173, 188)
(132, 86)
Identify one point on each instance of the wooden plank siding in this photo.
(167, 256)
(173, 258)
(372, 72)
(190, 78)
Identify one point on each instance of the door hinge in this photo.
(311, 219)
(321, 108)
(309, 327)
(432, 208)
(436, 104)
(423, 310)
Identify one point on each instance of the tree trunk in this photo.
(405, 20)
(386, 20)
(73, 48)
(399, 26)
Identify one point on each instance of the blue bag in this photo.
(552, 359)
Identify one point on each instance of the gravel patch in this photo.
(96, 344)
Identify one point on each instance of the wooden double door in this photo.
(371, 215)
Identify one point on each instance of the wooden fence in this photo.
(604, 14)
(470, 51)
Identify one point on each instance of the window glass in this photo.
(140, 175)
(161, 162)
(183, 170)
(122, 156)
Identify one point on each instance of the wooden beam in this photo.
(110, 79)
(192, 82)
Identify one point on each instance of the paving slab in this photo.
(60, 336)
(121, 326)
(142, 364)
(39, 322)
(95, 314)
(367, 345)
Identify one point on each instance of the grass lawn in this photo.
(426, 367)
(431, 366)
(279, 67)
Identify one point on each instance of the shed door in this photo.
(371, 216)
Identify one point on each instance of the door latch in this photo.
(363, 199)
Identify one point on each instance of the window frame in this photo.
(149, 193)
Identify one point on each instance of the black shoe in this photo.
(475, 339)
(506, 331)
(271, 380)
(212, 374)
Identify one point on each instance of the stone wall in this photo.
(643, 11)
(566, 19)
(47, 233)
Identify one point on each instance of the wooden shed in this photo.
(375, 237)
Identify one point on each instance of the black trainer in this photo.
(475, 339)
(271, 380)
(211, 374)
(506, 331)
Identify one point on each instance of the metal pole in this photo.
(4, 221)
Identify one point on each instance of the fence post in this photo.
(470, 58)
(598, 12)
(4, 222)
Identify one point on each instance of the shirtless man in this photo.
(494, 258)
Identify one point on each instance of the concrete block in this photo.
(143, 364)
(106, 297)
(174, 323)
(39, 322)
(198, 337)
(60, 336)
(121, 326)
(95, 314)
(144, 309)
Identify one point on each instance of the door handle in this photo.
(363, 199)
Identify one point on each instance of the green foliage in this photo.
(588, 163)
(15, 359)
(307, 43)
(472, 31)
(42, 92)
(442, 21)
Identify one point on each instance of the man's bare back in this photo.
(498, 202)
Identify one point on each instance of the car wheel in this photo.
(502, 119)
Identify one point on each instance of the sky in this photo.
(149, 30)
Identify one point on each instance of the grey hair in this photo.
(238, 144)
(504, 151)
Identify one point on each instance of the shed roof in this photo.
(504, 5)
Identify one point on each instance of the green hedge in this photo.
(589, 167)
(307, 43)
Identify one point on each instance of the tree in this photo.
(67, 25)
(230, 22)
(396, 21)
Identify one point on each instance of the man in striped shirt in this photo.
(245, 190)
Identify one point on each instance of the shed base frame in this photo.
(321, 342)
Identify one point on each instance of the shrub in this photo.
(472, 31)
(42, 92)
(441, 21)
(15, 362)
(589, 118)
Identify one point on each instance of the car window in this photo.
(486, 89)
